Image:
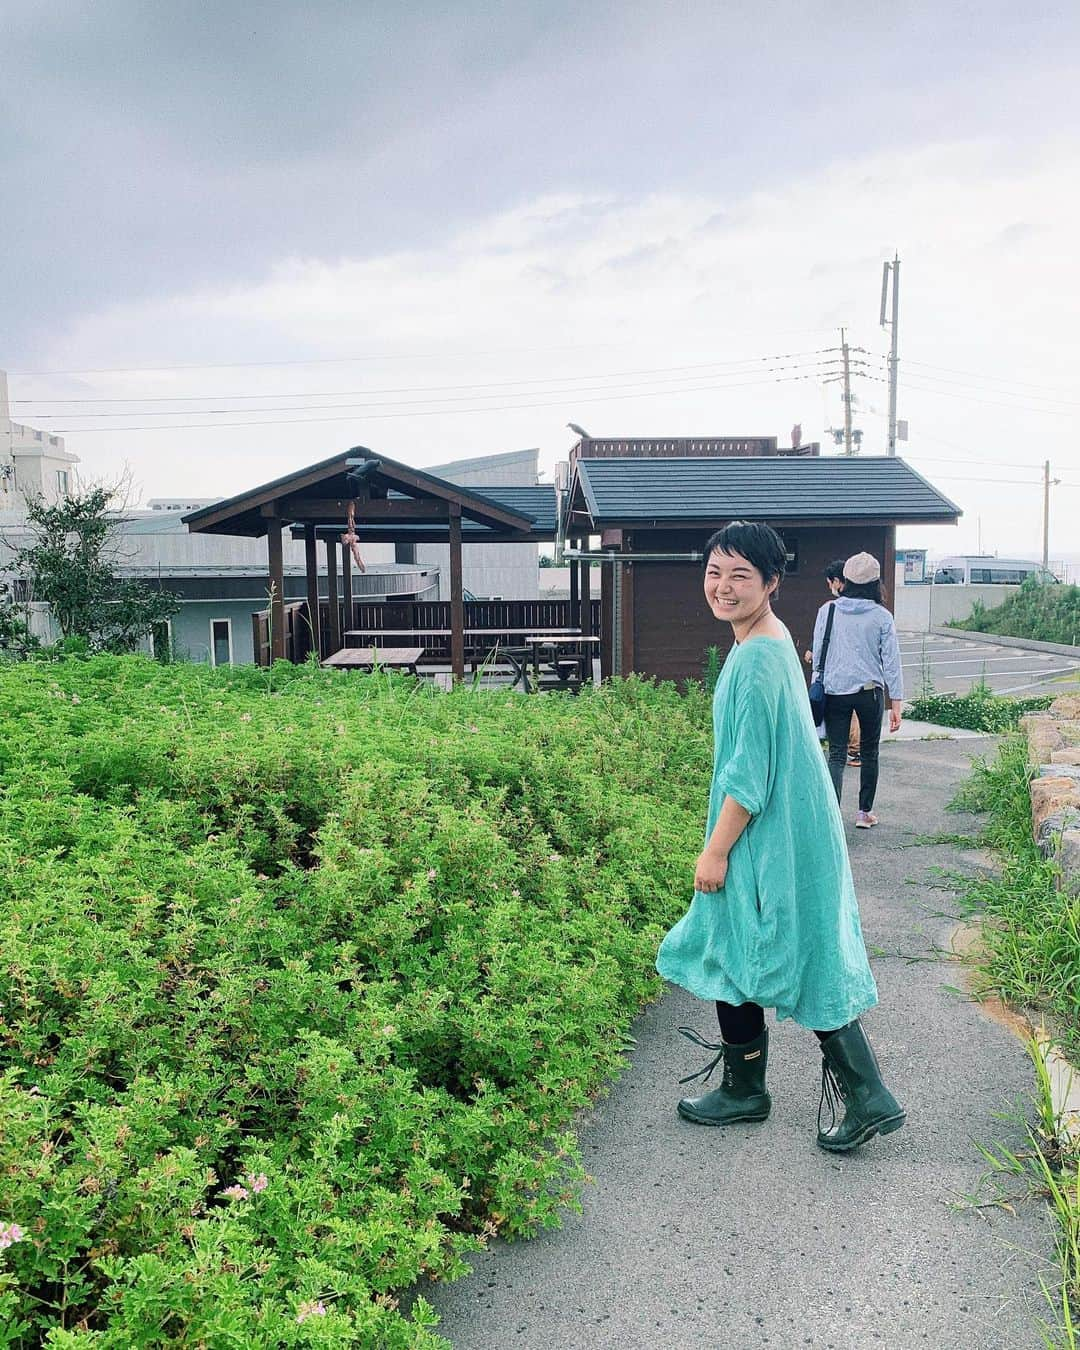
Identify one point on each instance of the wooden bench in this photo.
(372, 658)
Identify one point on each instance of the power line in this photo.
(441, 412)
(990, 403)
(984, 375)
(504, 387)
(353, 360)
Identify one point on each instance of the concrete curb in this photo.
(994, 639)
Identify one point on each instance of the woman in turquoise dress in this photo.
(774, 922)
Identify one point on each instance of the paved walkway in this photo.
(751, 1236)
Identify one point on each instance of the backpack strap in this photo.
(825, 639)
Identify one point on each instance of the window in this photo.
(62, 482)
(221, 642)
(404, 553)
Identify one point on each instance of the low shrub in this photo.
(980, 709)
(300, 990)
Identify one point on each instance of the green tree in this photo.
(15, 636)
(72, 565)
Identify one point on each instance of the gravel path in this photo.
(751, 1236)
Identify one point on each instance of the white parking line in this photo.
(982, 660)
(1037, 684)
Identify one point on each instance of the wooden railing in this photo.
(499, 616)
(496, 614)
(297, 633)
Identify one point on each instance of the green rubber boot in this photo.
(850, 1075)
(741, 1095)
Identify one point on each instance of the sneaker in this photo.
(865, 820)
(854, 759)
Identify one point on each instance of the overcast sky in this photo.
(443, 230)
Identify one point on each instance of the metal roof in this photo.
(329, 484)
(535, 504)
(692, 490)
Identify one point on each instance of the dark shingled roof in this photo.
(684, 491)
(534, 503)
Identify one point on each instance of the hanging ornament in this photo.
(351, 538)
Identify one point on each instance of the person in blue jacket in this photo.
(773, 922)
(862, 669)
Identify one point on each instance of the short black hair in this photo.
(756, 542)
(863, 590)
(835, 570)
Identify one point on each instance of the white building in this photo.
(32, 463)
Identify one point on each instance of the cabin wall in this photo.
(670, 627)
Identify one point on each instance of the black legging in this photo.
(868, 705)
(744, 1022)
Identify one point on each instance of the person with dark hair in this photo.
(834, 575)
(863, 661)
(774, 922)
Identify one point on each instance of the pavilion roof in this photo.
(386, 492)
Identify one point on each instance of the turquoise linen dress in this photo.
(784, 930)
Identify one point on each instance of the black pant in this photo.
(744, 1022)
(868, 705)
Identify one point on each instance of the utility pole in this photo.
(847, 392)
(1048, 483)
(894, 360)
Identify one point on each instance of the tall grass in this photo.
(1031, 957)
(1038, 611)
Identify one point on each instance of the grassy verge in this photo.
(1031, 957)
(980, 709)
(302, 982)
(1038, 611)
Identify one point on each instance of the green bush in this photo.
(1030, 950)
(980, 709)
(300, 991)
(1039, 611)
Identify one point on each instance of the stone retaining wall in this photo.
(1054, 751)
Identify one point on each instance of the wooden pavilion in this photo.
(342, 501)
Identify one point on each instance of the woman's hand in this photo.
(710, 871)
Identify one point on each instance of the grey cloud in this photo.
(149, 148)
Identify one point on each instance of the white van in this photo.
(975, 569)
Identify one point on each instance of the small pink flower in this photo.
(257, 1183)
(431, 874)
(235, 1192)
(10, 1234)
(312, 1308)
(554, 857)
(474, 729)
(75, 698)
(245, 717)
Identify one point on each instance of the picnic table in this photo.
(368, 658)
(480, 643)
(568, 655)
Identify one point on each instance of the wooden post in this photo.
(888, 568)
(311, 564)
(575, 572)
(346, 590)
(585, 612)
(277, 589)
(607, 602)
(626, 637)
(332, 594)
(457, 599)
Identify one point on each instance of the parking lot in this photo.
(955, 664)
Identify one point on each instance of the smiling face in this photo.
(734, 588)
